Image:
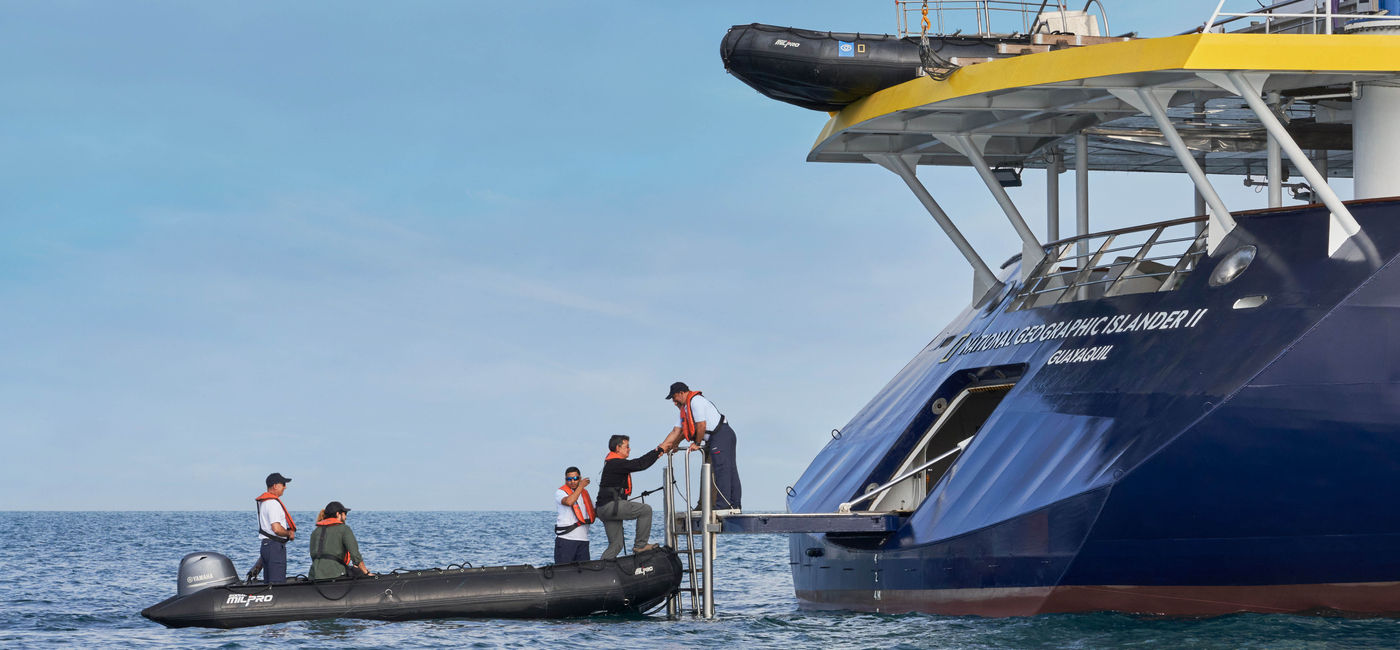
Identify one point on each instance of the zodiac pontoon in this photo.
(210, 594)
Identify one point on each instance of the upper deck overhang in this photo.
(1018, 107)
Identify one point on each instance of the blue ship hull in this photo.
(1164, 453)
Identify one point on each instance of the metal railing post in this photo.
(708, 552)
(673, 603)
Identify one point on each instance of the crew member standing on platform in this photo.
(700, 423)
(276, 528)
(614, 487)
(575, 514)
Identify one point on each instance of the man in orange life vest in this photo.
(700, 423)
(575, 514)
(614, 487)
(276, 528)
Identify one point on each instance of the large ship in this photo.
(1192, 417)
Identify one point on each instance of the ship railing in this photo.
(1304, 17)
(683, 532)
(874, 493)
(1143, 259)
(995, 17)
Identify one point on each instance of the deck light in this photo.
(1232, 266)
(1007, 176)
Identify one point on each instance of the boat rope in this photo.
(936, 67)
(317, 585)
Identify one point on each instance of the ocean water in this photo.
(81, 579)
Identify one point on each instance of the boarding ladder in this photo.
(693, 538)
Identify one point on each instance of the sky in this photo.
(425, 255)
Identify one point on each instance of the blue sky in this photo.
(425, 255)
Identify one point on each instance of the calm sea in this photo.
(81, 579)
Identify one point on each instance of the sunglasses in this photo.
(570, 478)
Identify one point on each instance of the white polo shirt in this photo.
(566, 518)
(703, 411)
(268, 512)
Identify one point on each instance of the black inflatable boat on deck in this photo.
(210, 594)
(826, 71)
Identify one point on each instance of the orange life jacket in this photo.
(687, 418)
(331, 521)
(611, 455)
(584, 515)
(291, 525)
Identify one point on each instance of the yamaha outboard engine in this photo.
(204, 570)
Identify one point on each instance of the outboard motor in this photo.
(204, 570)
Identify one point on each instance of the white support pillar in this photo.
(1198, 205)
(1032, 251)
(1275, 159)
(1151, 102)
(983, 280)
(1052, 196)
(1376, 141)
(1343, 225)
(1081, 197)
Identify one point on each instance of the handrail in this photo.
(1321, 12)
(1129, 229)
(845, 508)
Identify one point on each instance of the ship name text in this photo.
(1090, 326)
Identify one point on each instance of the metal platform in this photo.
(777, 523)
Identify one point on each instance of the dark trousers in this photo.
(570, 550)
(722, 444)
(274, 561)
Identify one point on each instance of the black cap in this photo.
(275, 478)
(334, 508)
(678, 387)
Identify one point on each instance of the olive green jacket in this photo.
(328, 547)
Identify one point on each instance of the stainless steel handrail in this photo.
(845, 508)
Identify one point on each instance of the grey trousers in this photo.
(613, 513)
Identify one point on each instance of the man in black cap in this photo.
(704, 427)
(334, 551)
(275, 528)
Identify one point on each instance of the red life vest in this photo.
(332, 521)
(291, 525)
(611, 455)
(687, 418)
(584, 515)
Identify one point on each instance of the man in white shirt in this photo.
(275, 528)
(575, 515)
(703, 426)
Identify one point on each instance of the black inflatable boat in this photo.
(827, 71)
(210, 594)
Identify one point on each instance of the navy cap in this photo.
(275, 478)
(678, 387)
